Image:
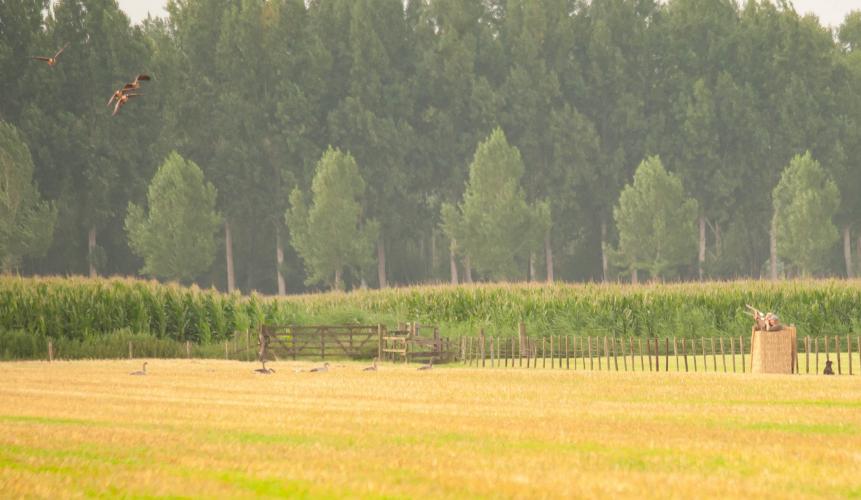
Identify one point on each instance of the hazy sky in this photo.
(829, 11)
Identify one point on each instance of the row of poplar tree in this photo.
(349, 142)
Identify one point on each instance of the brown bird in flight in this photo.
(51, 60)
(129, 87)
(122, 100)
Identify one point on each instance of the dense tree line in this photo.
(442, 118)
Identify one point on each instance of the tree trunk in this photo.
(548, 257)
(91, 249)
(467, 270)
(363, 284)
(847, 251)
(228, 257)
(381, 262)
(279, 261)
(604, 266)
(337, 284)
(434, 256)
(531, 267)
(772, 252)
(635, 278)
(701, 259)
(718, 241)
(452, 263)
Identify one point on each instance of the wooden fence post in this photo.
(649, 352)
(188, 349)
(816, 352)
(543, 352)
(226, 355)
(849, 351)
(722, 354)
(807, 354)
(631, 350)
(741, 348)
(837, 353)
(667, 354)
(624, 356)
(732, 352)
(482, 346)
(685, 354)
(642, 365)
(705, 357)
(615, 359)
(827, 349)
(50, 350)
(379, 342)
(568, 357)
(714, 354)
(676, 353)
(552, 358)
(589, 345)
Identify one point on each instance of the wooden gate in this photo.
(318, 341)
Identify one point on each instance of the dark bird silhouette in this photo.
(136, 83)
(427, 366)
(321, 369)
(122, 100)
(140, 372)
(51, 60)
(371, 368)
(264, 370)
(828, 370)
(128, 88)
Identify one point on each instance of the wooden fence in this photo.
(414, 342)
(603, 353)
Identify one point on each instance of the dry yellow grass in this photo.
(213, 428)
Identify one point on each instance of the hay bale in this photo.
(773, 352)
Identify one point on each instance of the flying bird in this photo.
(128, 88)
(51, 60)
(122, 100)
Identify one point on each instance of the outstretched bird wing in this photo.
(61, 50)
(40, 58)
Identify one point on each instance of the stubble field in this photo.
(214, 428)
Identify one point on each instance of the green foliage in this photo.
(176, 237)
(805, 201)
(655, 221)
(26, 222)
(331, 234)
(494, 225)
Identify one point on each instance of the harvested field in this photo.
(214, 428)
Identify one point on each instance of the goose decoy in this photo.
(122, 100)
(140, 372)
(264, 370)
(371, 368)
(51, 60)
(323, 368)
(427, 366)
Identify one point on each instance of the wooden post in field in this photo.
(543, 352)
(226, 355)
(131, 352)
(732, 352)
(379, 342)
(827, 350)
(615, 359)
(589, 345)
(807, 354)
(649, 352)
(482, 346)
(188, 349)
(624, 356)
(816, 352)
(837, 353)
(247, 345)
(568, 357)
(631, 350)
(534, 351)
(722, 354)
(849, 351)
(714, 354)
(685, 354)
(521, 334)
(676, 353)
(582, 355)
(552, 358)
(643, 366)
(705, 358)
(492, 353)
(741, 348)
(50, 350)
(666, 354)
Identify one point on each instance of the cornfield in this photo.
(80, 308)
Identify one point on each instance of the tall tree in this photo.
(805, 202)
(332, 235)
(493, 225)
(26, 222)
(655, 221)
(175, 236)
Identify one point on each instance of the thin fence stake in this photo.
(642, 361)
(849, 351)
(591, 363)
(624, 356)
(552, 360)
(816, 349)
(649, 351)
(615, 359)
(807, 354)
(482, 347)
(741, 348)
(837, 353)
(543, 352)
(631, 350)
(685, 354)
(567, 355)
(714, 354)
(827, 349)
(50, 350)
(722, 355)
(188, 349)
(676, 353)
(732, 352)
(705, 357)
(666, 354)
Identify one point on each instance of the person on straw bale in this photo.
(772, 323)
